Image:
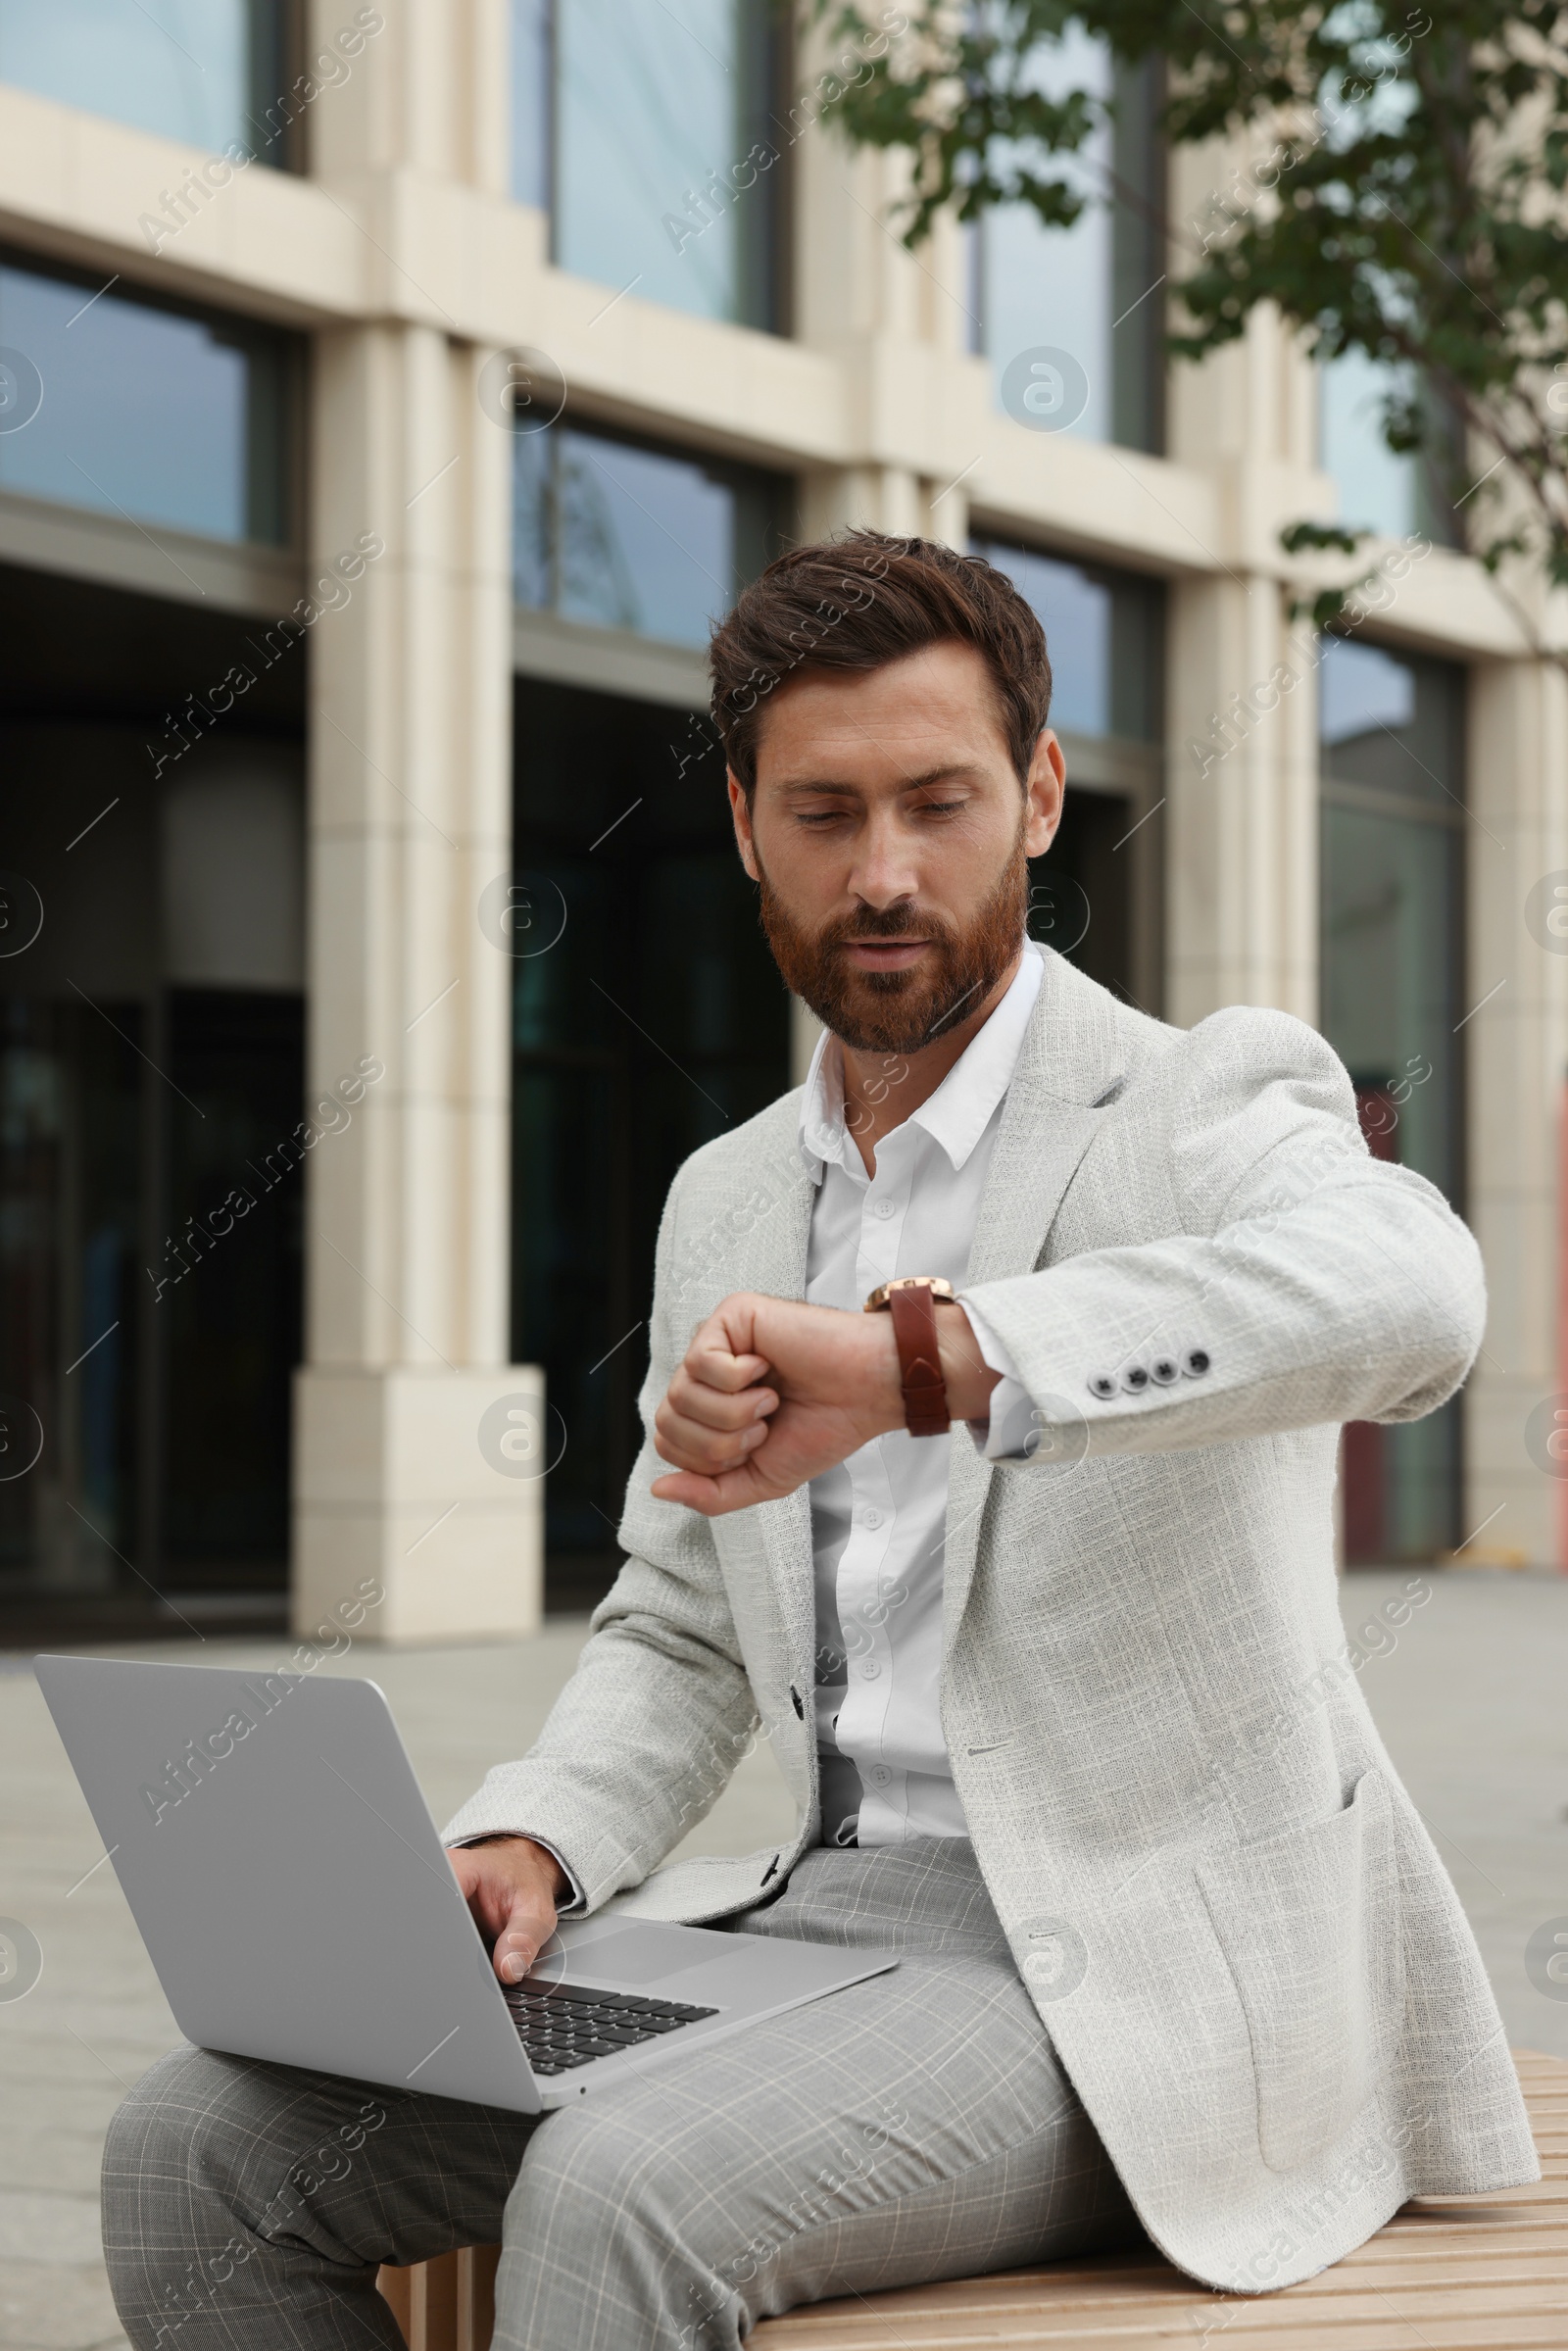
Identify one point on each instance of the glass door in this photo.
(151, 1074)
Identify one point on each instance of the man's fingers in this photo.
(715, 1407)
(709, 1363)
(690, 1442)
(520, 1940)
(731, 1489)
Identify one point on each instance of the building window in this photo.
(1380, 489)
(149, 410)
(619, 535)
(643, 125)
(211, 73)
(649, 1019)
(1103, 632)
(1092, 292)
(152, 1083)
(1097, 893)
(1392, 987)
(533, 82)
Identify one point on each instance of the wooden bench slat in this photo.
(1453, 2248)
(1271, 2323)
(1155, 2282)
(1448, 2274)
(1514, 2334)
(1430, 2218)
(1544, 2286)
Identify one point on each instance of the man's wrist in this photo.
(884, 1376)
(560, 1884)
(969, 1377)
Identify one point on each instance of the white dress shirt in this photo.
(878, 1520)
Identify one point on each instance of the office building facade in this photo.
(389, 396)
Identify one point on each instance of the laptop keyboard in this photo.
(567, 2026)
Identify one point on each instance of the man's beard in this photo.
(899, 1012)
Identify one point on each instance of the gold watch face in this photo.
(941, 1289)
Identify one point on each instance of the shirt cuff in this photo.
(563, 1910)
(1012, 1429)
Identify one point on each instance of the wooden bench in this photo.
(1448, 2274)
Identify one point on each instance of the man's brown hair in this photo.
(860, 602)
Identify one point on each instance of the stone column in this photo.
(1242, 856)
(1242, 813)
(1516, 1068)
(418, 1447)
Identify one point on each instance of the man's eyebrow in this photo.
(947, 773)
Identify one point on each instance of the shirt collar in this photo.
(957, 1114)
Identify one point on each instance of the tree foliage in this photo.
(1403, 194)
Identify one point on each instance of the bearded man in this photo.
(1054, 1691)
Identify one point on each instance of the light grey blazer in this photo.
(1235, 1926)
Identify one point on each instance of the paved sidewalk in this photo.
(1469, 1691)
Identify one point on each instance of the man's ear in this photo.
(741, 815)
(1044, 793)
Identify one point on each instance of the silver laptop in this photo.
(297, 1903)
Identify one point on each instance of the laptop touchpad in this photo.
(633, 1956)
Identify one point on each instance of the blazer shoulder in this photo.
(1244, 1049)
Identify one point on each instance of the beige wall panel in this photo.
(1516, 1054)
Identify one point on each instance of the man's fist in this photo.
(513, 1887)
(772, 1392)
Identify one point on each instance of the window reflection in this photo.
(532, 83)
(644, 123)
(148, 411)
(1092, 290)
(204, 72)
(1103, 631)
(621, 536)
(1381, 489)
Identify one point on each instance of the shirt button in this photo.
(870, 1670)
(881, 1776)
(870, 1518)
(885, 1208)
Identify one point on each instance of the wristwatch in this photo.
(912, 1302)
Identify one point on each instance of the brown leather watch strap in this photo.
(914, 1333)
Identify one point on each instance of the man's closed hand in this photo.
(772, 1393)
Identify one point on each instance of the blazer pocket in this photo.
(1309, 1926)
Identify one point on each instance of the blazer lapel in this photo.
(773, 1261)
(1069, 1069)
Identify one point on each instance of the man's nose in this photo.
(887, 866)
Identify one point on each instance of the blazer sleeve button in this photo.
(1102, 1386)
(1164, 1369)
(1196, 1362)
(1135, 1379)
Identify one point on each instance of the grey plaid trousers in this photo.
(912, 2127)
